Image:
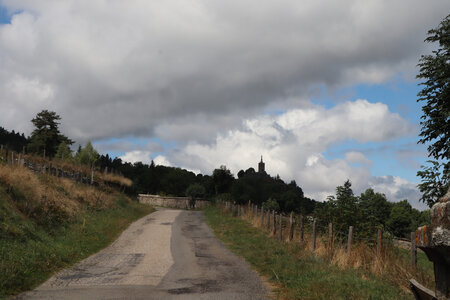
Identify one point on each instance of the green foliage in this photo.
(367, 213)
(46, 135)
(399, 221)
(271, 204)
(87, 155)
(435, 182)
(435, 131)
(374, 209)
(342, 209)
(64, 152)
(195, 190)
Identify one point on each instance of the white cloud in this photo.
(396, 189)
(292, 145)
(137, 156)
(161, 160)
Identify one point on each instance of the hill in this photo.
(48, 223)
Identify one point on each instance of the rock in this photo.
(434, 240)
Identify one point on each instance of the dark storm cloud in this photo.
(119, 68)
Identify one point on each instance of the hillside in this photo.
(47, 223)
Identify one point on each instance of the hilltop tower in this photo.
(261, 166)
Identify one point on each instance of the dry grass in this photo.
(390, 265)
(49, 199)
(100, 177)
(115, 179)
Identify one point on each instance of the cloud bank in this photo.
(293, 144)
(133, 68)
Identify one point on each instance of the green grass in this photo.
(30, 254)
(422, 260)
(296, 273)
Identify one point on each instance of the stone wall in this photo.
(172, 202)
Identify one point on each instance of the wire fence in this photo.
(45, 165)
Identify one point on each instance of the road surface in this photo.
(169, 254)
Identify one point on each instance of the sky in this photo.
(324, 90)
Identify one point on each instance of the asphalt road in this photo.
(170, 254)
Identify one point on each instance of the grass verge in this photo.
(30, 254)
(296, 273)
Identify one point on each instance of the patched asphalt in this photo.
(169, 254)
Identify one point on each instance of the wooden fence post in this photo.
(262, 216)
(268, 220)
(256, 213)
(413, 250)
(291, 227)
(379, 243)
(300, 239)
(6, 154)
(314, 234)
(330, 237)
(349, 240)
(280, 233)
(274, 228)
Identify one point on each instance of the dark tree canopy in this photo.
(435, 131)
(13, 140)
(46, 135)
(223, 179)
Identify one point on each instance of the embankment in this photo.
(48, 223)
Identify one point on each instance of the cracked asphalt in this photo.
(169, 254)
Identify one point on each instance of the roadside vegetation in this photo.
(298, 273)
(49, 223)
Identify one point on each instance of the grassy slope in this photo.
(30, 252)
(297, 273)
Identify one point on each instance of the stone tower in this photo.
(261, 166)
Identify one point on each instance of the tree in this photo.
(435, 182)
(46, 135)
(271, 204)
(13, 140)
(194, 191)
(223, 179)
(375, 210)
(63, 152)
(87, 155)
(344, 208)
(399, 222)
(435, 71)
